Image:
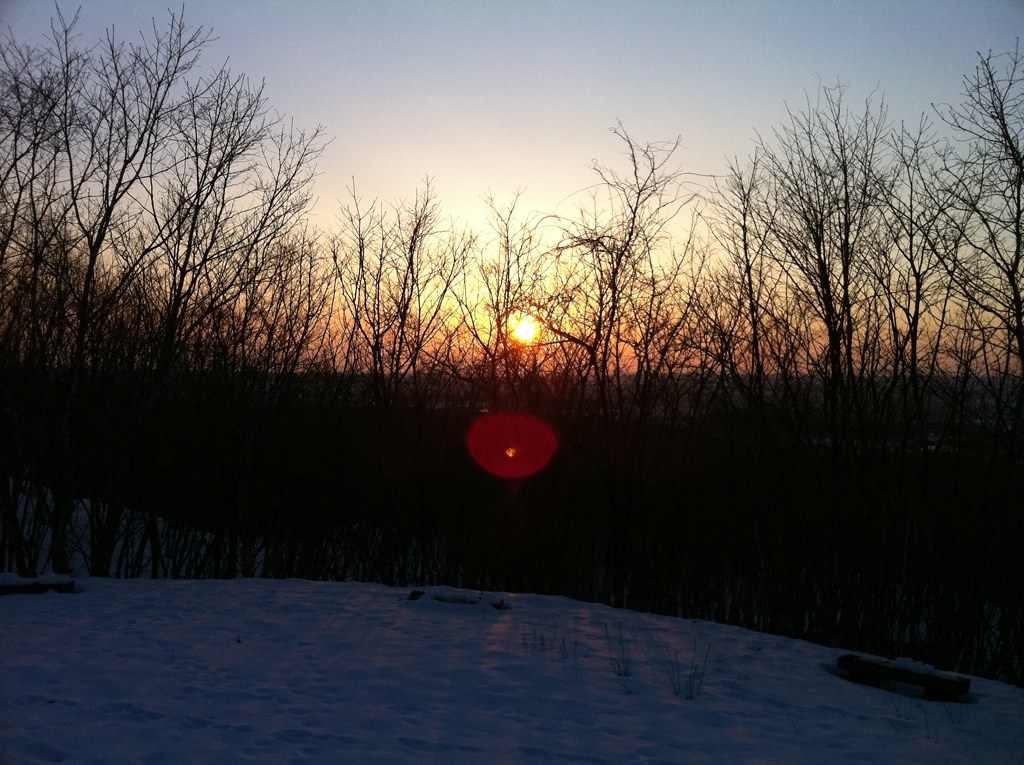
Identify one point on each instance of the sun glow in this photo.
(525, 329)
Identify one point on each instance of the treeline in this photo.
(791, 400)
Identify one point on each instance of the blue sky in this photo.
(495, 96)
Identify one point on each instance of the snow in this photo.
(260, 671)
(913, 666)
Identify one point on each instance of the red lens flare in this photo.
(511, 444)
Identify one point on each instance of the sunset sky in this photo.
(496, 96)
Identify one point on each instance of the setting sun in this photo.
(525, 329)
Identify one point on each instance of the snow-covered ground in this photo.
(265, 671)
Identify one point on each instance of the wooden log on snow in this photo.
(36, 586)
(938, 686)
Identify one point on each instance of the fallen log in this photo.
(935, 685)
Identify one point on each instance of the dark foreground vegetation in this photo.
(791, 400)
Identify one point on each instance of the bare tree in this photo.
(103, 112)
(741, 224)
(912, 283)
(505, 282)
(828, 189)
(263, 343)
(396, 273)
(617, 273)
(622, 303)
(36, 266)
(119, 172)
(985, 181)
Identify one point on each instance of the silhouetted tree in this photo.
(984, 179)
(395, 274)
(507, 279)
(120, 171)
(829, 186)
